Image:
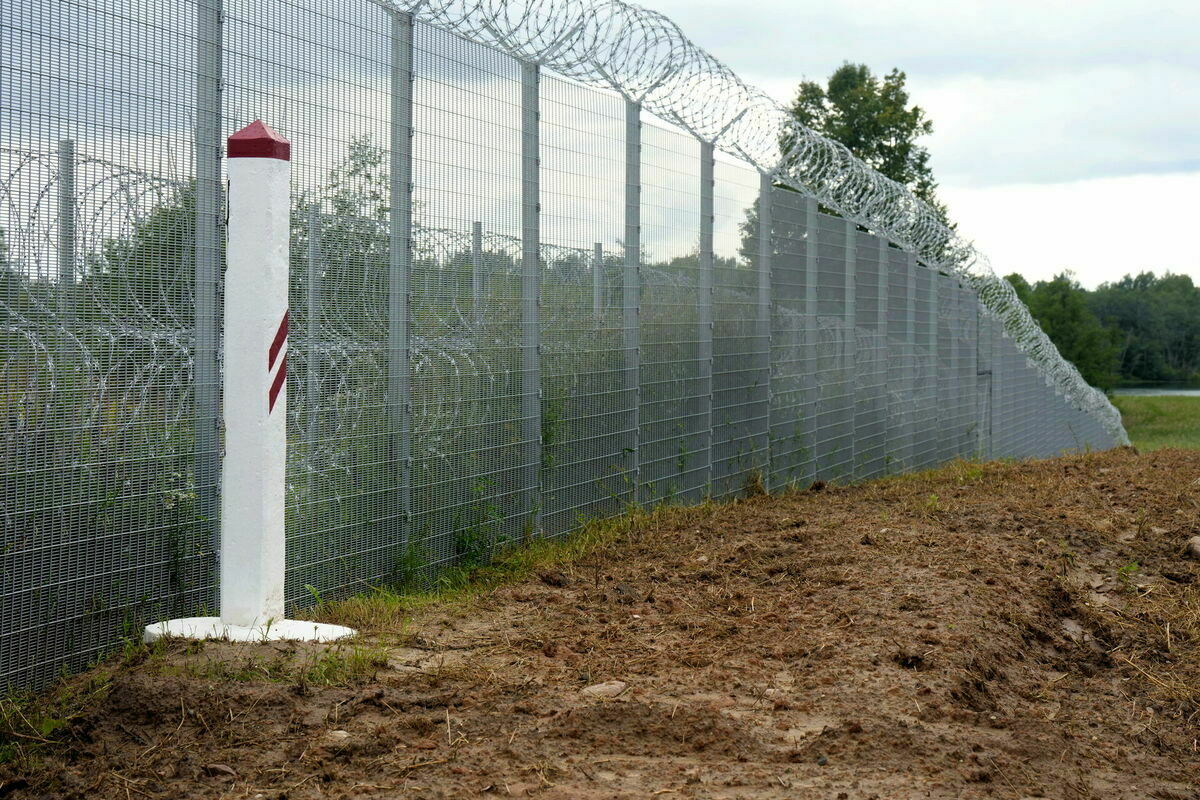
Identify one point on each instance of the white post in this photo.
(255, 393)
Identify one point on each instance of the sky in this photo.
(1066, 132)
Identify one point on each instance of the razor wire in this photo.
(645, 57)
(114, 348)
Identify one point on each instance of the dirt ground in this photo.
(1007, 631)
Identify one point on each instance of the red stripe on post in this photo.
(277, 384)
(258, 140)
(280, 338)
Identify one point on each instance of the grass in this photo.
(385, 609)
(1157, 422)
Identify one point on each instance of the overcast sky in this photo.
(1067, 132)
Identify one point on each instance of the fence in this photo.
(517, 302)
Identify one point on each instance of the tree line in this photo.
(1140, 329)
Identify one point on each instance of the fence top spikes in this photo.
(259, 140)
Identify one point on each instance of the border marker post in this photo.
(255, 393)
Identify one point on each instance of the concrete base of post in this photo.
(214, 628)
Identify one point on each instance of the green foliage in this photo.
(872, 117)
(1061, 307)
(1137, 329)
(1157, 422)
(1158, 320)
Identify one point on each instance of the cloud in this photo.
(1023, 91)
(1101, 229)
(1103, 121)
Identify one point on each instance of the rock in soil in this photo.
(606, 689)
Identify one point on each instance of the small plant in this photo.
(1125, 573)
(755, 485)
(409, 569)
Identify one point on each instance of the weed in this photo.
(387, 608)
(755, 486)
(410, 570)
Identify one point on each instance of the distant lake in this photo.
(1162, 389)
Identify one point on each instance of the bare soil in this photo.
(1007, 631)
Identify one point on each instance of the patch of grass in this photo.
(1157, 422)
(386, 609)
(338, 664)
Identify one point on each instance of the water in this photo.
(1161, 390)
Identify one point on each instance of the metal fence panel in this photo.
(106, 517)
(587, 420)
(673, 423)
(793, 390)
(902, 361)
(513, 307)
(740, 350)
(871, 356)
(835, 342)
(926, 418)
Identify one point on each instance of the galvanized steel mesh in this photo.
(517, 302)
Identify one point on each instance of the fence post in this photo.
(935, 367)
(765, 247)
(632, 290)
(704, 319)
(66, 221)
(850, 354)
(255, 390)
(531, 369)
(812, 330)
(881, 312)
(207, 146)
(477, 272)
(400, 249)
(910, 338)
(597, 280)
(985, 370)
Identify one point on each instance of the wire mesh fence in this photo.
(517, 302)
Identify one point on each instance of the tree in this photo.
(1159, 323)
(1061, 307)
(873, 119)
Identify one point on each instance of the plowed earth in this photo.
(1006, 631)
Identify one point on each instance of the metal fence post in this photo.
(934, 415)
(66, 221)
(597, 280)
(704, 320)
(881, 312)
(632, 290)
(812, 331)
(910, 338)
(850, 354)
(477, 271)
(986, 369)
(531, 370)
(765, 225)
(400, 249)
(207, 253)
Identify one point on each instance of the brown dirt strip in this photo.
(1006, 631)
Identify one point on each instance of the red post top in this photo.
(258, 140)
